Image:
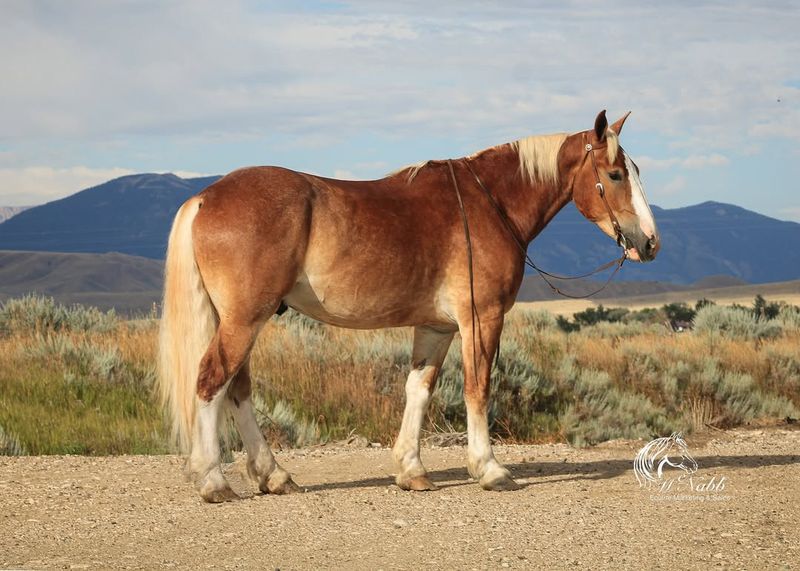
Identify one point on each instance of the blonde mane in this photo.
(538, 156)
(412, 169)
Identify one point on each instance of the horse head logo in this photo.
(657, 455)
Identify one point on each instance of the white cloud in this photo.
(674, 186)
(34, 185)
(191, 76)
(703, 161)
(791, 213)
(394, 67)
(689, 162)
(651, 164)
(40, 184)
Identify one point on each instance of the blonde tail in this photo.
(188, 322)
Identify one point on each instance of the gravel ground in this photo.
(577, 509)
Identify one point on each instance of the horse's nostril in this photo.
(652, 246)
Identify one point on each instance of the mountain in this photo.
(130, 284)
(707, 239)
(132, 215)
(7, 212)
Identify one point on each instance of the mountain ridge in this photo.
(132, 215)
(132, 284)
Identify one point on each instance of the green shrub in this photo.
(536, 319)
(678, 311)
(80, 358)
(645, 315)
(566, 325)
(789, 317)
(283, 424)
(764, 309)
(621, 329)
(593, 315)
(40, 314)
(734, 323)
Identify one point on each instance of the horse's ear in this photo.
(617, 126)
(600, 126)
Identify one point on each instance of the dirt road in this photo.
(577, 509)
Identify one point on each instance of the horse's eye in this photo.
(615, 175)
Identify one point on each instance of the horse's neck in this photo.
(529, 205)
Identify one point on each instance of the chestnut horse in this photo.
(373, 254)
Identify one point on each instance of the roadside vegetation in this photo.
(74, 380)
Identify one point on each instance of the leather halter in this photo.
(622, 241)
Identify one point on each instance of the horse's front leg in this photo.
(430, 349)
(478, 354)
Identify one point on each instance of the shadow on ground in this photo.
(535, 473)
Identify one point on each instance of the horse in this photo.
(435, 246)
(654, 456)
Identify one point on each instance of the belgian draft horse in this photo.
(372, 254)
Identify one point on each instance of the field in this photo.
(788, 292)
(79, 381)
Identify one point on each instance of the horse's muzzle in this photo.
(642, 248)
(651, 248)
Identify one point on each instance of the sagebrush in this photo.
(76, 380)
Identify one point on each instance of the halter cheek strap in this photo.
(622, 241)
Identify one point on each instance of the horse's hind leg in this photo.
(225, 355)
(261, 465)
(430, 349)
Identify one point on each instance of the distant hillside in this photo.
(7, 212)
(131, 284)
(127, 283)
(697, 241)
(534, 288)
(132, 215)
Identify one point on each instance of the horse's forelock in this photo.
(612, 140)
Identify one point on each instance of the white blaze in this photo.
(640, 205)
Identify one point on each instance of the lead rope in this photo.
(473, 309)
(542, 273)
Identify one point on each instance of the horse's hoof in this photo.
(219, 495)
(288, 487)
(417, 484)
(280, 483)
(499, 483)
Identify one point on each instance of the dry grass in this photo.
(90, 391)
(788, 292)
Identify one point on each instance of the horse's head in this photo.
(607, 190)
(679, 447)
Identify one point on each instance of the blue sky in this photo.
(94, 90)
